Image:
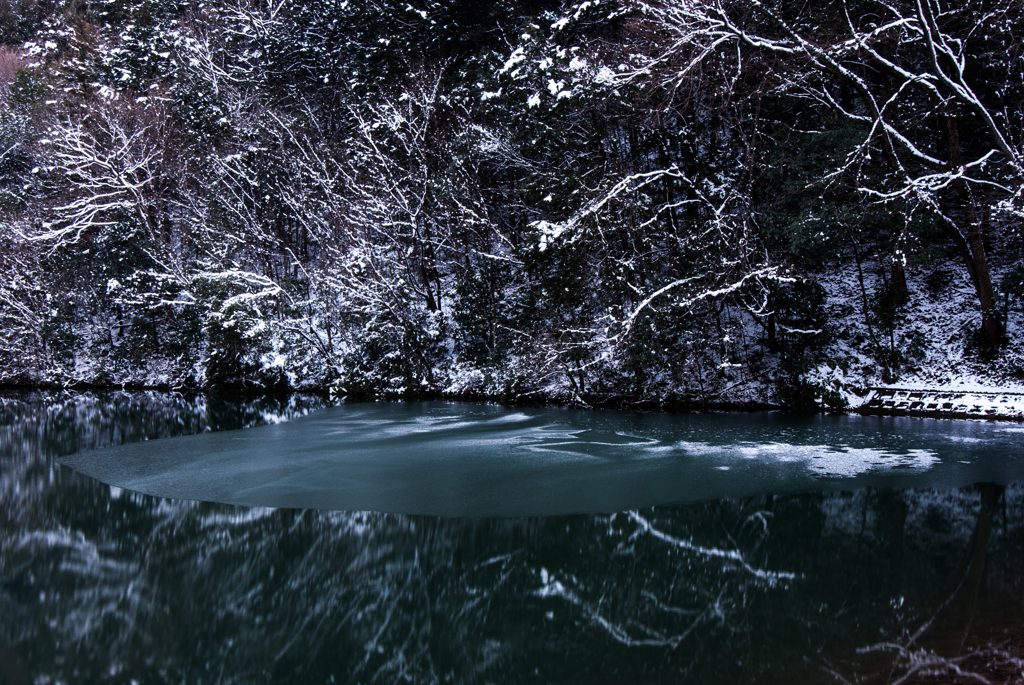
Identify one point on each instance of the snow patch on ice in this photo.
(824, 460)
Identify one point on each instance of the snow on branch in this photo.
(105, 169)
(764, 274)
(550, 232)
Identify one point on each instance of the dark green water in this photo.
(454, 459)
(884, 562)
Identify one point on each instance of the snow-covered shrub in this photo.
(394, 358)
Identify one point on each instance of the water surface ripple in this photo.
(480, 460)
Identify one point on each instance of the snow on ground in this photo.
(934, 335)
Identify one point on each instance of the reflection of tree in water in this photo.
(99, 585)
(974, 633)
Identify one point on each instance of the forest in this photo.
(668, 203)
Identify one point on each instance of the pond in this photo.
(476, 544)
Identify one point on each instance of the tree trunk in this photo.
(972, 247)
(972, 251)
(991, 322)
(898, 279)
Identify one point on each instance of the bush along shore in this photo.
(615, 203)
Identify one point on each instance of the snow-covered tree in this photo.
(934, 89)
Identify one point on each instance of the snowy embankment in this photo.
(935, 365)
(961, 403)
(941, 371)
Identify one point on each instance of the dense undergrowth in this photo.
(619, 203)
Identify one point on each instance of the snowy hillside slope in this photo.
(934, 337)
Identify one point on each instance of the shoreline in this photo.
(950, 404)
